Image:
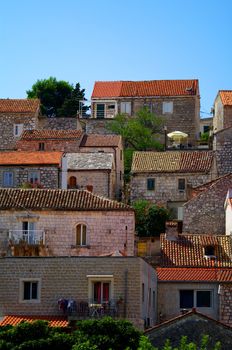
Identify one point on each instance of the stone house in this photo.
(107, 144)
(122, 287)
(166, 177)
(194, 325)
(93, 171)
(50, 140)
(222, 145)
(228, 212)
(195, 271)
(222, 118)
(204, 212)
(178, 101)
(22, 168)
(64, 223)
(17, 115)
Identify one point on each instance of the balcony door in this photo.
(28, 232)
(100, 110)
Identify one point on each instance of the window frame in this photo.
(167, 107)
(3, 178)
(103, 279)
(31, 300)
(33, 182)
(195, 293)
(82, 225)
(180, 187)
(150, 180)
(125, 107)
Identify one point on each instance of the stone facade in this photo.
(222, 111)
(49, 176)
(205, 212)
(225, 296)
(58, 123)
(101, 182)
(49, 145)
(8, 121)
(222, 145)
(169, 298)
(106, 231)
(71, 278)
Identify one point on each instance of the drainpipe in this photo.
(108, 184)
(125, 293)
(64, 172)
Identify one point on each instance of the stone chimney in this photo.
(172, 229)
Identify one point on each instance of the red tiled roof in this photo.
(112, 89)
(226, 97)
(54, 321)
(30, 158)
(51, 134)
(194, 274)
(19, 105)
(172, 161)
(188, 251)
(100, 140)
(56, 199)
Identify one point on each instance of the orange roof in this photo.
(94, 140)
(51, 134)
(112, 89)
(54, 321)
(30, 158)
(194, 274)
(226, 97)
(19, 105)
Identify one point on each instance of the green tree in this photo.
(58, 97)
(149, 218)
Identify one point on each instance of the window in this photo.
(101, 292)
(111, 107)
(181, 185)
(186, 299)
(81, 235)
(7, 178)
(195, 298)
(167, 107)
(206, 128)
(72, 182)
(209, 250)
(41, 146)
(143, 295)
(150, 184)
(29, 290)
(33, 177)
(126, 107)
(18, 129)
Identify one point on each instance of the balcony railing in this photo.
(27, 236)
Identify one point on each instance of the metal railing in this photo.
(28, 236)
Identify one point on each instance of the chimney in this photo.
(172, 230)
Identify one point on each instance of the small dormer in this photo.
(209, 252)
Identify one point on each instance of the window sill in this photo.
(80, 246)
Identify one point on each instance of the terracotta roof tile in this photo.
(30, 158)
(54, 321)
(51, 134)
(19, 105)
(194, 274)
(56, 199)
(178, 162)
(188, 251)
(100, 140)
(226, 97)
(112, 89)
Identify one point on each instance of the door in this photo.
(28, 232)
(100, 110)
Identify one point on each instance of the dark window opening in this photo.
(30, 291)
(209, 250)
(186, 299)
(150, 184)
(181, 184)
(204, 298)
(41, 146)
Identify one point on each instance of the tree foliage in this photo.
(149, 218)
(58, 97)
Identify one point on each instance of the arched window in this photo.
(81, 235)
(72, 182)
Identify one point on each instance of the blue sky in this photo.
(88, 40)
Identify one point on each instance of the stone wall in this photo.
(225, 303)
(107, 231)
(222, 145)
(103, 181)
(67, 277)
(205, 213)
(169, 299)
(49, 145)
(58, 123)
(48, 175)
(227, 116)
(96, 126)
(7, 122)
(166, 186)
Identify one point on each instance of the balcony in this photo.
(30, 237)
